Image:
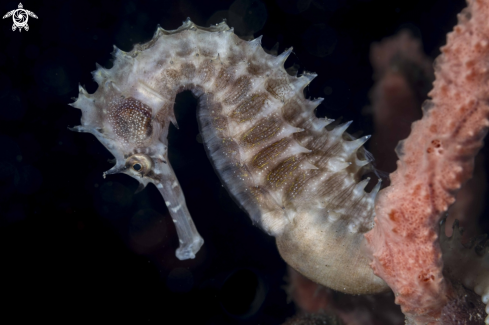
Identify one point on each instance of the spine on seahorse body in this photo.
(300, 182)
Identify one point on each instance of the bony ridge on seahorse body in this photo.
(300, 182)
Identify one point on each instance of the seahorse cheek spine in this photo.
(298, 181)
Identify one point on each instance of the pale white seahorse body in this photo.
(298, 181)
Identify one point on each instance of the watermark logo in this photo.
(20, 17)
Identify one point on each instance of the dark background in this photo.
(76, 247)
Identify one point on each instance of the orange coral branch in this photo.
(435, 160)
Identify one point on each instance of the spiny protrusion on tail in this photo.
(295, 149)
(340, 129)
(304, 80)
(352, 146)
(280, 59)
(254, 45)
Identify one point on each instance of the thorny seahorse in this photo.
(297, 180)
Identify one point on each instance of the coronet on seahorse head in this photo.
(297, 180)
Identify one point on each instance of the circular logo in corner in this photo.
(20, 17)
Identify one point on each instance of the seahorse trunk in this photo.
(298, 181)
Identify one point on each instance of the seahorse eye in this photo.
(139, 164)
